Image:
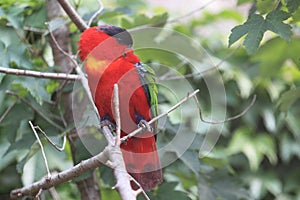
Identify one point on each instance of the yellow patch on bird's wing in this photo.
(93, 64)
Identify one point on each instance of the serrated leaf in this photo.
(255, 27)
(274, 23)
(36, 87)
(12, 50)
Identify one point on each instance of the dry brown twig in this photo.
(228, 119)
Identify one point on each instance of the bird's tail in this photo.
(142, 161)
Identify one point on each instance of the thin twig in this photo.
(117, 115)
(164, 77)
(190, 13)
(52, 143)
(42, 148)
(140, 187)
(133, 133)
(175, 19)
(77, 20)
(36, 110)
(7, 110)
(53, 193)
(228, 119)
(101, 7)
(23, 72)
(37, 196)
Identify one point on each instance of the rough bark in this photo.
(89, 187)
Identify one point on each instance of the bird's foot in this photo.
(145, 125)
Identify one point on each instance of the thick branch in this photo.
(81, 25)
(23, 72)
(64, 176)
(121, 175)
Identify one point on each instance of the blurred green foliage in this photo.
(257, 156)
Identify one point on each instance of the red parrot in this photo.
(109, 59)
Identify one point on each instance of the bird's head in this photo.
(110, 40)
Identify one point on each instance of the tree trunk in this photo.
(89, 187)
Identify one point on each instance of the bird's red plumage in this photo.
(108, 62)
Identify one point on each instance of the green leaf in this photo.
(215, 159)
(219, 185)
(265, 6)
(37, 18)
(108, 193)
(12, 123)
(56, 23)
(274, 23)
(159, 20)
(14, 16)
(253, 146)
(256, 26)
(22, 144)
(268, 63)
(289, 147)
(292, 5)
(12, 50)
(168, 191)
(36, 87)
(288, 98)
(296, 16)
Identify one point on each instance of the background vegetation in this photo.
(256, 157)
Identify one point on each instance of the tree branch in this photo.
(117, 115)
(42, 149)
(56, 179)
(228, 119)
(76, 19)
(23, 72)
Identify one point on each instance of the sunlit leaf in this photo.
(265, 6)
(254, 147)
(255, 27)
(288, 98)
